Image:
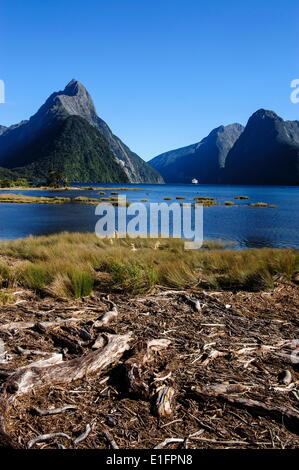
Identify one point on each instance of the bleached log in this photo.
(280, 413)
(226, 388)
(30, 378)
(26, 379)
(53, 359)
(20, 325)
(99, 342)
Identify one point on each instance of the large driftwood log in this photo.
(21, 325)
(31, 378)
(25, 380)
(134, 366)
(280, 413)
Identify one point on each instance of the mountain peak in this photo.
(265, 114)
(74, 87)
(20, 144)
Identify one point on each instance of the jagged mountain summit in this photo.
(90, 153)
(204, 160)
(2, 129)
(267, 152)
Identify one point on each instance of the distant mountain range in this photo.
(67, 135)
(265, 152)
(203, 160)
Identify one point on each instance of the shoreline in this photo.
(68, 188)
(118, 338)
(214, 350)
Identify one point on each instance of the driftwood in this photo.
(108, 316)
(110, 439)
(99, 342)
(164, 401)
(31, 378)
(285, 377)
(281, 414)
(30, 352)
(27, 325)
(195, 304)
(170, 440)
(134, 366)
(26, 379)
(207, 358)
(83, 436)
(53, 359)
(53, 411)
(60, 339)
(47, 437)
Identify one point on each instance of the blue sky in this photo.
(162, 73)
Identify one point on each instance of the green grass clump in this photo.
(129, 276)
(6, 297)
(241, 197)
(4, 272)
(80, 282)
(32, 275)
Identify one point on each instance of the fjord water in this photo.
(248, 227)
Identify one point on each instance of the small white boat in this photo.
(194, 181)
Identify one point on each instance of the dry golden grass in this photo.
(21, 199)
(73, 264)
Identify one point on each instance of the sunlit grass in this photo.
(72, 265)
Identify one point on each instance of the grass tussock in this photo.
(73, 265)
(259, 204)
(6, 297)
(21, 199)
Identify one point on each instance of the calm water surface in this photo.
(247, 226)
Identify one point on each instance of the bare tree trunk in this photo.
(24, 380)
